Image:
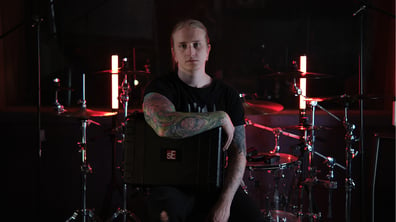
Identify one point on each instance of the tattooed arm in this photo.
(161, 115)
(234, 176)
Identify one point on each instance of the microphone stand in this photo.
(37, 24)
(364, 7)
(361, 113)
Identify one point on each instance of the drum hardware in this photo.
(276, 131)
(330, 184)
(85, 167)
(310, 179)
(77, 112)
(350, 152)
(124, 99)
(137, 76)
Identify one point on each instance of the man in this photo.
(187, 103)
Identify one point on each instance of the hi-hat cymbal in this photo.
(80, 113)
(298, 74)
(259, 107)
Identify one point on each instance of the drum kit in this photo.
(291, 175)
(279, 206)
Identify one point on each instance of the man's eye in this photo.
(196, 45)
(183, 46)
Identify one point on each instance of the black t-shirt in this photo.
(218, 96)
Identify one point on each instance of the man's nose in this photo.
(190, 50)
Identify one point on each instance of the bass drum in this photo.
(271, 181)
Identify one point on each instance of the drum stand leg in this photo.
(84, 212)
(124, 211)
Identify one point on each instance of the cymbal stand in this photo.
(308, 145)
(85, 167)
(124, 98)
(350, 153)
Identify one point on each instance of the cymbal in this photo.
(298, 74)
(303, 128)
(129, 72)
(259, 107)
(345, 98)
(86, 114)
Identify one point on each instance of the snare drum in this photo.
(273, 184)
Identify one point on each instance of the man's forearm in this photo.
(234, 176)
(237, 164)
(182, 125)
(161, 115)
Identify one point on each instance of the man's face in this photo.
(190, 50)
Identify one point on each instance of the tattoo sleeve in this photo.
(161, 115)
(239, 140)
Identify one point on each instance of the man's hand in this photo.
(221, 211)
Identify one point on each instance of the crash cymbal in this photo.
(259, 107)
(298, 74)
(79, 113)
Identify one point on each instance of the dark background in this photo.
(250, 40)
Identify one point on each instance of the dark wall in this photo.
(250, 39)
